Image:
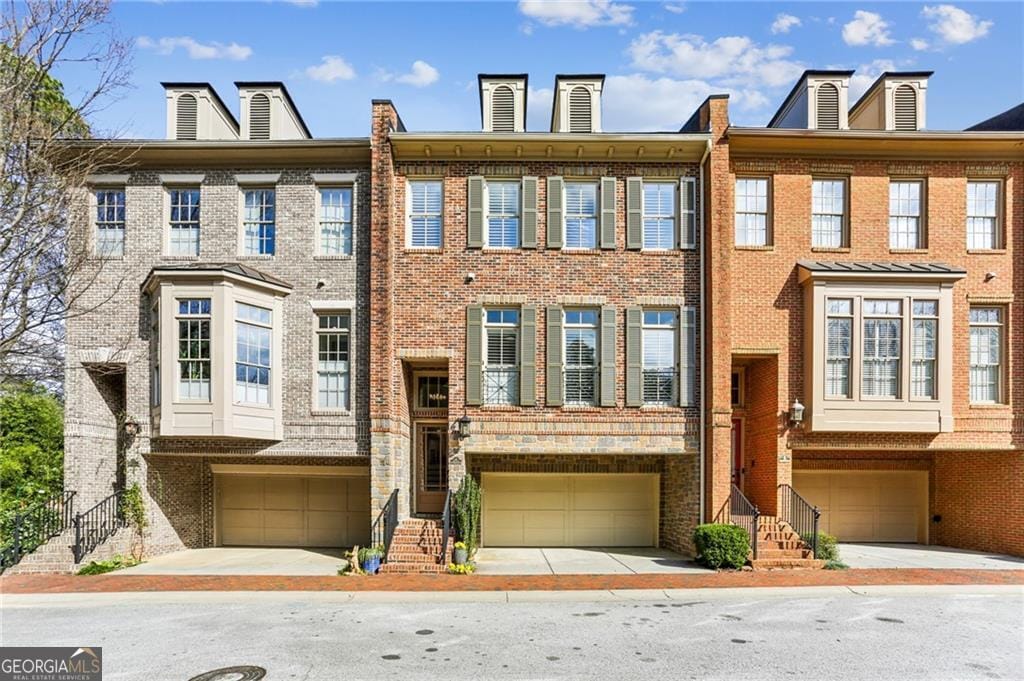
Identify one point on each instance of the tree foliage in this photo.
(31, 446)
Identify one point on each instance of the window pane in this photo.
(828, 205)
(503, 214)
(184, 223)
(904, 214)
(659, 215)
(425, 214)
(110, 223)
(751, 212)
(336, 221)
(580, 215)
(985, 355)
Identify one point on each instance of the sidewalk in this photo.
(112, 583)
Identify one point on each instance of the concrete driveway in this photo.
(921, 556)
(243, 561)
(581, 561)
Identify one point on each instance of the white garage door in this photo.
(866, 506)
(282, 510)
(585, 509)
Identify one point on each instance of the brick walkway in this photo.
(25, 584)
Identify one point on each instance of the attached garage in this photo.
(569, 509)
(869, 506)
(288, 506)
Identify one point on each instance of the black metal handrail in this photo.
(28, 529)
(800, 515)
(744, 514)
(98, 524)
(384, 526)
(446, 524)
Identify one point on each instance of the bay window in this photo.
(839, 347)
(925, 329)
(252, 354)
(881, 359)
(194, 349)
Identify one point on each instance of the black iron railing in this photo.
(446, 524)
(98, 524)
(745, 515)
(384, 526)
(26, 530)
(800, 515)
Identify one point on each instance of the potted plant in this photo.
(461, 553)
(369, 558)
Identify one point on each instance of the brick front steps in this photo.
(415, 548)
(779, 547)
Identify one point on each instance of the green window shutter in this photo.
(688, 212)
(553, 375)
(634, 357)
(607, 212)
(528, 356)
(608, 351)
(556, 198)
(688, 357)
(475, 209)
(529, 219)
(474, 355)
(634, 213)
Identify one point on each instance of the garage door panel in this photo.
(285, 494)
(242, 492)
(327, 494)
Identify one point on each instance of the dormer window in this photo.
(905, 108)
(503, 109)
(828, 107)
(259, 117)
(580, 119)
(187, 117)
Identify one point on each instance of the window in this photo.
(432, 392)
(659, 216)
(332, 369)
(501, 356)
(982, 215)
(838, 347)
(424, 206)
(336, 221)
(503, 214)
(751, 212)
(882, 339)
(905, 215)
(580, 354)
(184, 238)
(986, 346)
(252, 354)
(660, 329)
(194, 349)
(924, 348)
(580, 215)
(258, 222)
(828, 213)
(736, 388)
(110, 222)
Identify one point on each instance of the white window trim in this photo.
(94, 231)
(677, 213)
(768, 206)
(177, 316)
(999, 238)
(271, 369)
(853, 370)
(318, 235)
(922, 213)
(484, 364)
(1003, 326)
(487, 213)
(565, 214)
(321, 311)
(675, 399)
(167, 189)
(242, 189)
(844, 228)
(408, 214)
(597, 355)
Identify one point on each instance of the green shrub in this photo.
(721, 546)
(828, 545)
(99, 567)
(836, 565)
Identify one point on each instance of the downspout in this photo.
(703, 336)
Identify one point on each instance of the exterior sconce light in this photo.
(796, 414)
(131, 427)
(462, 427)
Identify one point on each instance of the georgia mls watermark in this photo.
(51, 664)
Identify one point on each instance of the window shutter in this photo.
(555, 210)
(828, 107)
(259, 117)
(608, 351)
(528, 356)
(634, 357)
(553, 374)
(187, 116)
(688, 212)
(607, 212)
(475, 210)
(634, 213)
(529, 195)
(905, 108)
(687, 356)
(474, 352)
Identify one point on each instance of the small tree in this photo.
(467, 512)
(133, 508)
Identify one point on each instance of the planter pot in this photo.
(371, 565)
(461, 556)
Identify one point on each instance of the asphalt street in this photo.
(812, 633)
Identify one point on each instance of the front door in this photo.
(431, 467)
(737, 453)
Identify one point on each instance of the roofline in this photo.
(977, 126)
(213, 269)
(213, 90)
(883, 76)
(801, 79)
(287, 95)
(525, 77)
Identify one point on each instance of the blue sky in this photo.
(662, 58)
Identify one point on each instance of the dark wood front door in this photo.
(737, 453)
(431, 467)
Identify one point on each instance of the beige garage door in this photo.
(865, 506)
(281, 510)
(586, 509)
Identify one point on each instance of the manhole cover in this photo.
(244, 673)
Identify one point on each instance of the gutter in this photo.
(703, 338)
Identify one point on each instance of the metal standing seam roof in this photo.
(232, 267)
(879, 267)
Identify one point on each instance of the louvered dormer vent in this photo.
(828, 107)
(905, 108)
(187, 117)
(503, 110)
(259, 117)
(580, 119)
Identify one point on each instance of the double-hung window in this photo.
(983, 215)
(194, 349)
(660, 332)
(110, 222)
(503, 214)
(828, 213)
(580, 331)
(332, 369)
(883, 323)
(335, 221)
(424, 209)
(184, 222)
(905, 229)
(580, 215)
(838, 347)
(751, 211)
(501, 356)
(258, 222)
(253, 333)
(986, 349)
(659, 215)
(924, 348)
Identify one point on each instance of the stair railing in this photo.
(446, 523)
(744, 514)
(98, 524)
(383, 530)
(28, 529)
(800, 515)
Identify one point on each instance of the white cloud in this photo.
(736, 60)
(538, 108)
(303, 3)
(867, 74)
(954, 25)
(919, 44)
(331, 68)
(668, 102)
(422, 74)
(867, 28)
(577, 13)
(784, 22)
(194, 48)
(674, 7)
